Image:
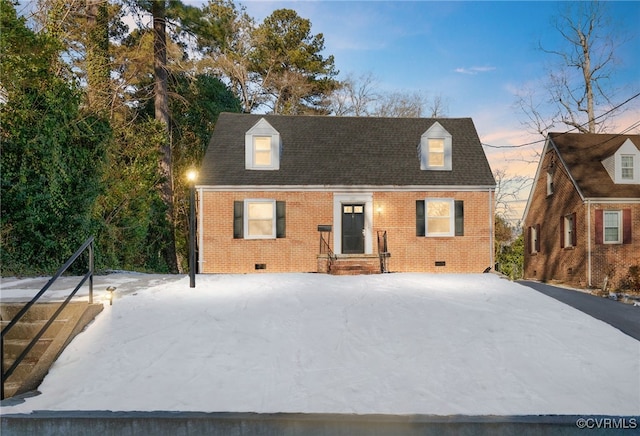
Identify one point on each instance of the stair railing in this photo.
(88, 245)
(383, 251)
(325, 248)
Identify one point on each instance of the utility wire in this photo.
(637, 124)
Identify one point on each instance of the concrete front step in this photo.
(355, 265)
(28, 329)
(30, 372)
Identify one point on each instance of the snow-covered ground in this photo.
(389, 344)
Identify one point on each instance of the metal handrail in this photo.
(87, 276)
(325, 248)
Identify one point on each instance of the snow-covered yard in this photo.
(389, 344)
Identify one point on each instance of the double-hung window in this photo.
(262, 156)
(260, 219)
(439, 217)
(534, 239)
(436, 152)
(568, 229)
(626, 167)
(612, 227)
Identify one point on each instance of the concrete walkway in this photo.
(624, 317)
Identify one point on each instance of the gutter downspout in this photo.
(491, 230)
(588, 242)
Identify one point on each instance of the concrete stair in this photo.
(30, 372)
(347, 265)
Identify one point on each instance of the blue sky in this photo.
(477, 55)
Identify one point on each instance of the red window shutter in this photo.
(538, 238)
(528, 246)
(574, 234)
(561, 232)
(599, 230)
(626, 226)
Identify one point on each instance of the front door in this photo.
(353, 228)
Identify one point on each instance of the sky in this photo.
(477, 55)
(404, 344)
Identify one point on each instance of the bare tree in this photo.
(509, 190)
(577, 93)
(355, 96)
(358, 96)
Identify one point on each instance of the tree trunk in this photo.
(162, 114)
(97, 56)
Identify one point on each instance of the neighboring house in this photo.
(582, 220)
(271, 186)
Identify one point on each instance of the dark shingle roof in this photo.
(583, 154)
(326, 150)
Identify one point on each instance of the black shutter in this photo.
(562, 236)
(459, 217)
(238, 219)
(537, 238)
(420, 224)
(599, 236)
(280, 219)
(574, 231)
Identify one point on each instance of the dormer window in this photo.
(262, 147)
(623, 166)
(435, 149)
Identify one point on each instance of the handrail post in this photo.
(91, 271)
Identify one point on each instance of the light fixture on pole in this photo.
(192, 175)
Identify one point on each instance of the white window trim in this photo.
(246, 218)
(262, 129)
(604, 227)
(452, 217)
(436, 131)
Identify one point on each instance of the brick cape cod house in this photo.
(582, 219)
(270, 186)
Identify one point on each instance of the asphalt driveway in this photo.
(624, 317)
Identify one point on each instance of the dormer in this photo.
(262, 145)
(624, 165)
(435, 149)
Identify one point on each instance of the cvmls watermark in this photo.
(607, 423)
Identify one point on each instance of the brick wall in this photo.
(552, 262)
(392, 211)
(570, 264)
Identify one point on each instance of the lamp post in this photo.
(191, 176)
